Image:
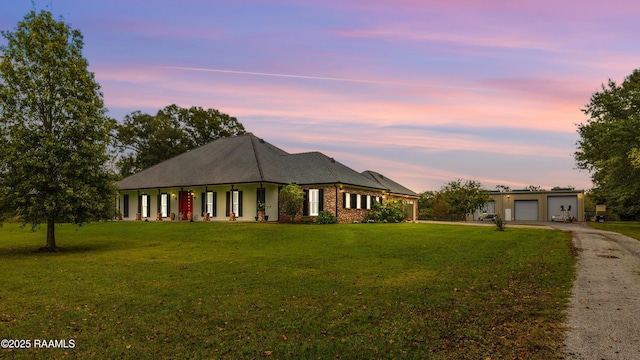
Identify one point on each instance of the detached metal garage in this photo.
(556, 203)
(526, 205)
(526, 210)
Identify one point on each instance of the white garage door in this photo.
(556, 203)
(526, 209)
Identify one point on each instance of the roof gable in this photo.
(388, 184)
(246, 159)
(317, 168)
(228, 160)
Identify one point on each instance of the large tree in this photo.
(464, 198)
(54, 133)
(431, 205)
(291, 198)
(425, 204)
(609, 145)
(146, 140)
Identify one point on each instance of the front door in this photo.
(185, 205)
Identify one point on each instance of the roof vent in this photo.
(261, 140)
(332, 160)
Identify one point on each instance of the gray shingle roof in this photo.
(246, 159)
(387, 183)
(317, 168)
(238, 159)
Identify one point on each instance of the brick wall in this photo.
(330, 200)
(346, 215)
(352, 214)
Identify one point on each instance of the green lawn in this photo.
(230, 290)
(628, 228)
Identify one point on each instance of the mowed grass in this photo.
(628, 228)
(228, 290)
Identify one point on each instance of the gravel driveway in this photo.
(604, 311)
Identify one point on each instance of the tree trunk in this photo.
(51, 235)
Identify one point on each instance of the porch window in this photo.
(211, 203)
(234, 203)
(261, 197)
(125, 205)
(145, 206)
(164, 199)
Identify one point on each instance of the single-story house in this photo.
(525, 205)
(234, 177)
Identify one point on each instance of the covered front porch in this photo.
(236, 202)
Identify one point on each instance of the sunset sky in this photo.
(422, 91)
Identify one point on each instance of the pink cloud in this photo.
(548, 8)
(132, 74)
(523, 103)
(295, 107)
(427, 142)
(421, 177)
(466, 42)
(472, 28)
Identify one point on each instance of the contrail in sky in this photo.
(316, 78)
(289, 76)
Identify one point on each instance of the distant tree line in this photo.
(144, 140)
(454, 201)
